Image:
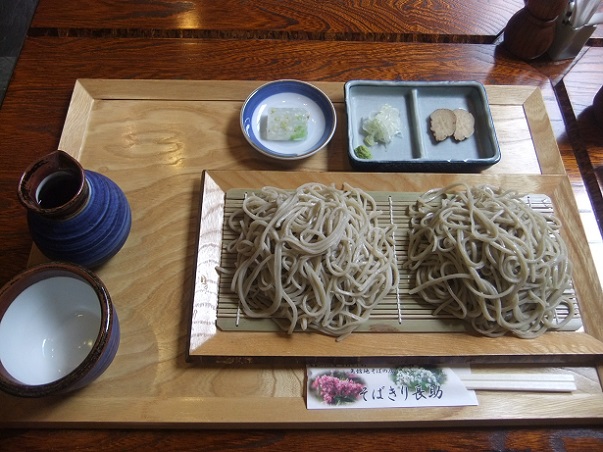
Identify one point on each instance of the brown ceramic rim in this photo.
(33, 176)
(38, 273)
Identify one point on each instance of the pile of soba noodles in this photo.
(313, 258)
(484, 255)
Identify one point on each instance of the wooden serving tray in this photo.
(211, 342)
(155, 138)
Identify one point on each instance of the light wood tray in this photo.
(419, 348)
(155, 139)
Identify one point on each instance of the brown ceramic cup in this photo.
(58, 330)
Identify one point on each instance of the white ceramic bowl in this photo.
(289, 94)
(58, 330)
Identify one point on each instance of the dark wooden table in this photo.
(472, 21)
(268, 40)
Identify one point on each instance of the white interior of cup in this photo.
(49, 329)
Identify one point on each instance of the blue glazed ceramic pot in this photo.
(73, 214)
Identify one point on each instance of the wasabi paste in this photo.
(363, 152)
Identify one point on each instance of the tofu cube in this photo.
(287, 124)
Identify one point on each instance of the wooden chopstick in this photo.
(538, 382)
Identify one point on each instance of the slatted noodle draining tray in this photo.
(399, 310)
(210, 343)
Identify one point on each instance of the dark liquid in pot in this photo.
(57, 189)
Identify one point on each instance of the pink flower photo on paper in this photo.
(337, 388)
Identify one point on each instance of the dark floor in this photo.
(15, 16)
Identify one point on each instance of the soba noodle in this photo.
(484, 255)
(314, 258)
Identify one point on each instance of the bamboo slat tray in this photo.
(155, 139)
(416, 347)
(399, 311)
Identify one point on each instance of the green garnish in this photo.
(363, 152)
(299, 132)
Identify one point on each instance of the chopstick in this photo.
(537, 382)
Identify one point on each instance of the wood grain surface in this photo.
(441, 347)
(31, 122)
(376, 20)
(156, 146)
(155, 151)
(34, 110)
(550, 439)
